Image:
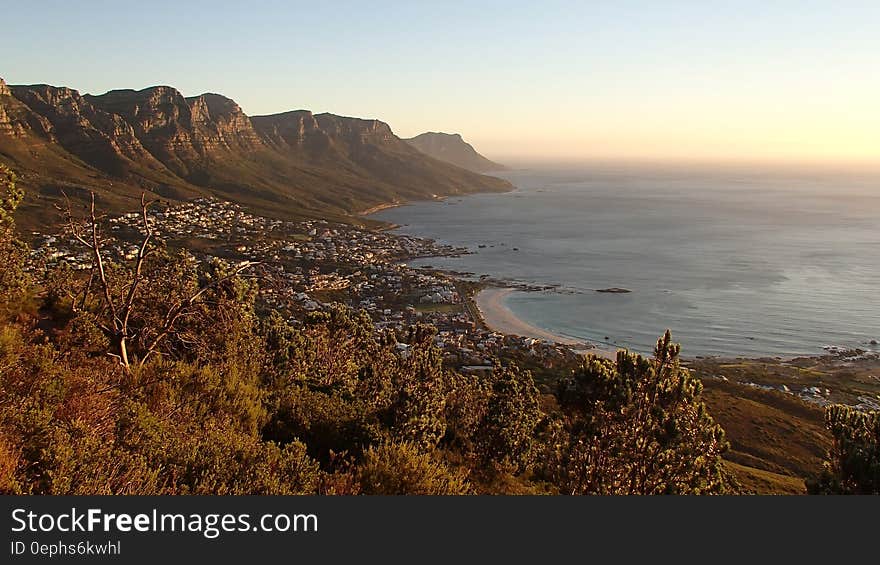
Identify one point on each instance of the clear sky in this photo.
(652, 79)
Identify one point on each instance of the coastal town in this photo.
(309, 265)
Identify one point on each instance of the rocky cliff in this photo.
(451, 148)
(16, 119)
(101, 139)
(180, 131)
(290, 164)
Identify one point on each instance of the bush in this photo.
(853, 464)
(401, 468)
(634, 426)
(13, 253)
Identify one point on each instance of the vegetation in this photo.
(163, 377)
(777, 441)
(853, 465)
(12, 252)
(635, 426)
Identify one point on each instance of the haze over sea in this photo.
(735, 261)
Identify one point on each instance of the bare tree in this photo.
(115, 316)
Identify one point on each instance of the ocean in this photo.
(735, 261)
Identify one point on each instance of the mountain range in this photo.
(293, 164)
(450, 147)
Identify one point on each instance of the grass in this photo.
(765, 482)
(846, 379)
(777, 441)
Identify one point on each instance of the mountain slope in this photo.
(293, 164)
(451, 148)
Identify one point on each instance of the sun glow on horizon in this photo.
(781, 81)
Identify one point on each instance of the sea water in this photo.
(735, 261)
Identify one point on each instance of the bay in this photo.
(735, 261)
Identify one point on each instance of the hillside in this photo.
(451, 148)
(777, 442)
(293, 164)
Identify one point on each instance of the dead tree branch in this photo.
(121, 309)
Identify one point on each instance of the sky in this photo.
(788, 81)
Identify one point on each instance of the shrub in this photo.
(401, 468)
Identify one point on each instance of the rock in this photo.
(177, 129)
(100, 138)
(614, 290)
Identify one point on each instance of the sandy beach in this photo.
(500, 318)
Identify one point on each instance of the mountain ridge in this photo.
(292, 164)
(452, 148)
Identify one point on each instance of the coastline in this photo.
(396, 204)
(497, 316)
(379, 208)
